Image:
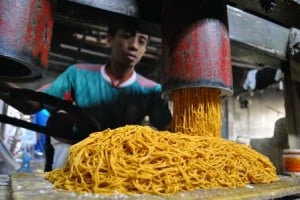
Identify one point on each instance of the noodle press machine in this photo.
(201, 41)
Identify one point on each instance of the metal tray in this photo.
(33, 186)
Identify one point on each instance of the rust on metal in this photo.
(25, 35)
(196, 46)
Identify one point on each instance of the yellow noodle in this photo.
(197, 111)
(137, 159)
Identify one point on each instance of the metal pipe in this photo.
(25, 37)
(196, 45)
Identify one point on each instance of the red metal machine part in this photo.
(196, 45)
(25, 37)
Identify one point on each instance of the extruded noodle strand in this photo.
(197, 111)
(138, 159)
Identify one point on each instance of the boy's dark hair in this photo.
(130, 25)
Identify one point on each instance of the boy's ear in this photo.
(108, 41)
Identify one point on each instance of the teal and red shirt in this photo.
(90, 88)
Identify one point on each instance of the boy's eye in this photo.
(142, 41)
(127, 35)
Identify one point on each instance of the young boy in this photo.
(113, 93)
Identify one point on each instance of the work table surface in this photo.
(33, 186)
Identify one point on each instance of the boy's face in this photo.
(128, 47)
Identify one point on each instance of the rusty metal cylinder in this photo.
(25, 37)
(196, 45)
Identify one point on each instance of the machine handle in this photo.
(53, 103)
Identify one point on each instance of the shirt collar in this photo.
(125, 83)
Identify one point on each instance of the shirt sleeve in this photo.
(62, 86)
(160, 115)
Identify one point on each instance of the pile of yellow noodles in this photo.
(138, 159)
